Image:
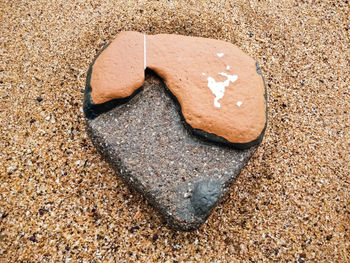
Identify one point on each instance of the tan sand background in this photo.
(60, 201)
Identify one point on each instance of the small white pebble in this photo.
(228, 67)
(220, 55)
(203, 73)
(48, 117)
(239, 103)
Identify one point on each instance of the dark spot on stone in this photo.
(329, 237)
(99, 237)
(284, 105)
(205, 195)
(32, 121)
(67, 248)
(39, 99)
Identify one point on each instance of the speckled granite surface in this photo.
(59, 201)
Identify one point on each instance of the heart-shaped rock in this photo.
(145, 135)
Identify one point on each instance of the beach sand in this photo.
(60, 201)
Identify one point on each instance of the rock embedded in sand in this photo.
(149, 136)
(218, 86)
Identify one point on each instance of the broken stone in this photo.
(147, 140)
(217, 85)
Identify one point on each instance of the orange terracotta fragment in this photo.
(216, 83)
(119, 69)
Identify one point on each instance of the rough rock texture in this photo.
(147, 142)
(219, 87)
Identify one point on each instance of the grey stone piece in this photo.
(155, 152)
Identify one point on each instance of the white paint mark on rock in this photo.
(218, 88)
(239, 103)
(220, 55)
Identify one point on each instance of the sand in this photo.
(59, 201)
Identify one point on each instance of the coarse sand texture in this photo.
(60, 201)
